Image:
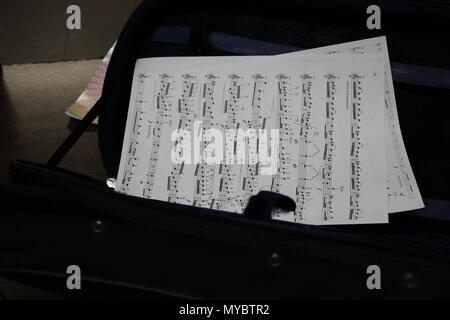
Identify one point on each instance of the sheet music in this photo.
(403, 192)
(327, 111)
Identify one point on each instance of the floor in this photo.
(33, 98)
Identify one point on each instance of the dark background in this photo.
(45, 68)
(35, 31)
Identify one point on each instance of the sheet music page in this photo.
(403, 192)
(309, 127)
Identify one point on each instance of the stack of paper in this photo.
(319, 125)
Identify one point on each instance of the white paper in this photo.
(402, 189)
(310, 99)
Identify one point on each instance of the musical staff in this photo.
(134, 132)
(355, 146)
(250, 182)
(306, 109)
(163, 108)
(286, 89)
(405, 182)
(186, 108)
(227, 199)
(204, 173)
(328, 149)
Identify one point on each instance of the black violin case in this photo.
(133, 247)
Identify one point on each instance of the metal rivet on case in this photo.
(410, 280)
(97, 226)
(275, 260)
